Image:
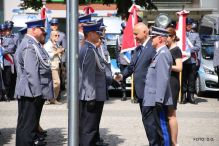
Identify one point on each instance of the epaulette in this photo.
(162, 51)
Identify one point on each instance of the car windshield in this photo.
(208, 50)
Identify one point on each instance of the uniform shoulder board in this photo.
(162, 51)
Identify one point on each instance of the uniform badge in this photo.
(153, 61)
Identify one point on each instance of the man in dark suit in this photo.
(138, 66)
(140, 62)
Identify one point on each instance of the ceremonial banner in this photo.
(128, 41)
(184, 43)
(88, 10)
(44, 15)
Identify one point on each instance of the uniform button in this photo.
(161, 99)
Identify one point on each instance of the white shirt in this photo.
(47, 47)
(144, 44)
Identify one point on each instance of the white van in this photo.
(22, 16)
(209, 25)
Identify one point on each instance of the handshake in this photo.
(116, 79)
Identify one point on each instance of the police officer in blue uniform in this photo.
(16, 38)
(93, 86)
(54, 25)
(189, 66)
(157, 91)
(121, 62)
(8, 48)
(35, 83)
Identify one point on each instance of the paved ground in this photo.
(121, 123)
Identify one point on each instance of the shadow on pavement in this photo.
(6, 135)
(199, 100)
(56, 137)
(112, 139)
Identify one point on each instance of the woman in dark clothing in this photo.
(174, 82)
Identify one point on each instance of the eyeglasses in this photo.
(54, 24)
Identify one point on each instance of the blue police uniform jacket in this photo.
(216, 54)
(157, 82)
(93, 82)
(139, 67)
(80, 38)
(195, 40)
(35, 78)
(62, 42)
(9, 47)
(119, 56)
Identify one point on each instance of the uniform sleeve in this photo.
(89, 69)
(197, 45)
(64, 42)
(31, 66)
(163, 67)
(128, 71)
(10, 49)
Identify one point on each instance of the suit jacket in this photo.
(157, 82)
(139, 66)
(119, 56)
(93, 83)
(9, 47)
(195, 40)
(62, 42)
(33, 78)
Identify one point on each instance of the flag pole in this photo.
(132, 84)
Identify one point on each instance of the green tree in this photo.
(122, 5)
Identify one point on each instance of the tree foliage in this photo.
(122, 5)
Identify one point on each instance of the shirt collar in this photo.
(159, 48)
(144, 44)
(81, 33)
(33, 38)
(91, 43)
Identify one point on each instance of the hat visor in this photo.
(152, 35)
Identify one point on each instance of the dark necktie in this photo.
(140, 50)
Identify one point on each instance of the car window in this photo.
(208, 50)
(112, 51)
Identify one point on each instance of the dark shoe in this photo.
(39, 139)
(41, 135)
(5, 95)
(101, 144)
(183, 98)
(123, 96)
(191, 98)
(39, 143)
(1, 95)
(42, 132)
(101, 140)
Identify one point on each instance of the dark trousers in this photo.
(188, 78)
(28, 121)
(150, 126)
(7, 76)
(90, 121)
(123, 82)
(163, 127)
(136, 98)
(13, 83)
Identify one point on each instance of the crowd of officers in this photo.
(38, 77)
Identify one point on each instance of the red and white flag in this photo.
(184, 43)
(128, 41)
(88, 10)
